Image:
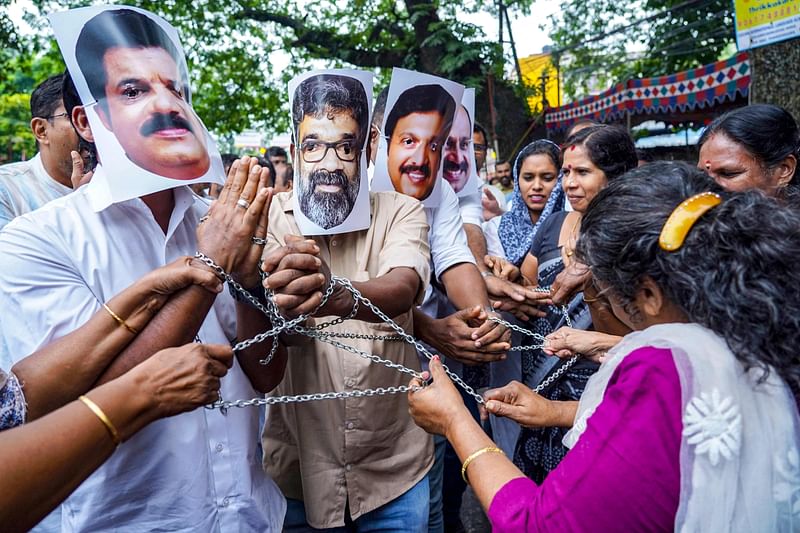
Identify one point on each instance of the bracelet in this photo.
(119, 320)
(487, 273)
(472, 457)
(103, 418)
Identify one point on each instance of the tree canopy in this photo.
(236, 85)
(241, 54)
(599, 43)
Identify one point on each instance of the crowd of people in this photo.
(664, 297)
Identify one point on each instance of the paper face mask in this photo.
(458, 165)
(419, 114)
(130, 73)
(330, 115)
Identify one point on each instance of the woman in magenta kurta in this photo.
(690, 423)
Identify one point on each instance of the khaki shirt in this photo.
(364, 452)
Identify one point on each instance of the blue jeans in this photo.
(408, 512)
(436, 482)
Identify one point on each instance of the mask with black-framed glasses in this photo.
(315, 151)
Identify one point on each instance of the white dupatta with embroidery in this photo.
(740, 466)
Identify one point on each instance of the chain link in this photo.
(300, 398)
(280, 325)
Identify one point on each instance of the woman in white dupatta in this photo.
(691, 422)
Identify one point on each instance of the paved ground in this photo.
(472, 515)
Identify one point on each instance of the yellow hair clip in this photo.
(683, 218)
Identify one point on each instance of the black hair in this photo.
(502, 162)
(610, 148)
(288, 174)
(477, 128)
(324, 93)
(768, 132)
(265, 162)
(227, 161)
(276, 151)
(69, 94)
(583, 122)
(540, 147)
(735, 273)
(380, 107)
(422, 99)
(46, 97)
(644, 155)
(120, 28)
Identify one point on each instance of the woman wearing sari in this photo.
(691, 422)
(592, 158)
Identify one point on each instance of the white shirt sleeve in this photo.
(499, 196)
(491, 230)
(447, 237)
(42, 295)
(471, 208)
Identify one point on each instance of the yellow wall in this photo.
(532, 68)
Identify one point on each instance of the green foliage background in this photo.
(236, 86)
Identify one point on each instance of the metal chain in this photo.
(549, 380)
(300, 398)
(293, 326)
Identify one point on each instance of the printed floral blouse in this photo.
(12, 402)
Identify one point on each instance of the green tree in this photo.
(598, 43)
(16, 138)
(229, 46)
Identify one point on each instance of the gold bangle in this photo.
(103, 418)
(119, 320)
(472, 457)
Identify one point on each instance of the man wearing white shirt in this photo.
(199, 471)
(465, 335)
(27, 185)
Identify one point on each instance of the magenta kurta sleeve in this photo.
(623, 473)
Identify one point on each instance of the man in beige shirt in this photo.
(356, 460)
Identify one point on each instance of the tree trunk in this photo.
(776, 68)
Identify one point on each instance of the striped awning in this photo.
(685, 91)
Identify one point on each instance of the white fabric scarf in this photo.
(740, 466)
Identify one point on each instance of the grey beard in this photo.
(327, 209)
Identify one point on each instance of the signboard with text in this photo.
(761, 22)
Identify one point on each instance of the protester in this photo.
(277, 155)
(41, 457)
(65, 259)
(592, 158)
(359, 462)
(503, 173)
(284, 178)
(27, 185)
(536, 175)
(453, 317)
(753, 147)
(696, 404)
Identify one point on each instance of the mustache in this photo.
(425, 169)
(327, 177)
(163, 121)
(450, 166)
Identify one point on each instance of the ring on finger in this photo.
(259, 241)
(203, 218)
(242, 202)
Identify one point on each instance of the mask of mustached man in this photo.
(330, 112)
(129, 69)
